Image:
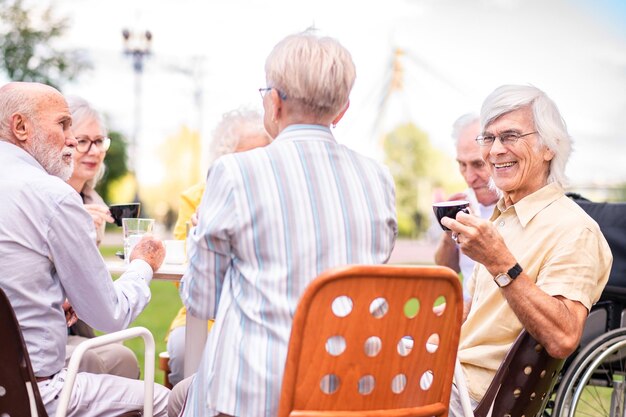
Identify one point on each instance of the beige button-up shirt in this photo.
(560, 247)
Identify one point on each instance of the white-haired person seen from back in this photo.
(542, 261)
(271, 220)
(239, 130)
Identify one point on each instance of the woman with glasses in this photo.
(89, 154)
(93, 143)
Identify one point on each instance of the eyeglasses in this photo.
(264, 90)
(84, 144)
(507, 138)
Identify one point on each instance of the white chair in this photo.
(19, 393)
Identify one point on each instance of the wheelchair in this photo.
(593, 379)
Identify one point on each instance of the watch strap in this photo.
(515, 271)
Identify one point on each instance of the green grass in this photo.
(156, 317)
(109, 251)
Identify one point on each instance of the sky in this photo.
(454, 53)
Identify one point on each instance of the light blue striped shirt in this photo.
(270, 221)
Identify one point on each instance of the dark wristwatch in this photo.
(505, 278)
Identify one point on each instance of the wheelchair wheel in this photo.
(595, 381)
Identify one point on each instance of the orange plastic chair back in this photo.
(361, 343)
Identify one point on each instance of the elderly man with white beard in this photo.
(48, 254)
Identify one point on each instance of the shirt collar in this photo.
(14, 150)
(298, 131)
(291, 128)
(529, 206)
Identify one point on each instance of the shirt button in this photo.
(501, 224)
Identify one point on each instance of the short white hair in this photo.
(235, 125)
(317, 73)
(461, 123)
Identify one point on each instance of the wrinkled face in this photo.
(471, 165)
(52, 143)
(521, 168)
(87, 164)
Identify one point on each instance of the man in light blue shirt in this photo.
(48, 254)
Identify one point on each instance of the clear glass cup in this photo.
(133, 230)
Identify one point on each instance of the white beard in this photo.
(59, 164)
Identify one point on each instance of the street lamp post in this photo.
(137, 46)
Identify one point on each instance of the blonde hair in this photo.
(315, 73)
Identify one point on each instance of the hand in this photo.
(473, 206)
(480, 240)
(70, 315)
(194, 219)
(458, 196)
(100, 214)
(149, 249)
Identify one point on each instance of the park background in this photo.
(420, 64)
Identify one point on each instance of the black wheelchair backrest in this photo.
(611, 217)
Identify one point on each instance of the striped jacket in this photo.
(270, 221)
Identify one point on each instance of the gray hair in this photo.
(235, 125)
(17, 97)
(461, 123)
(548, 122)
(316, 73)
(82, 110)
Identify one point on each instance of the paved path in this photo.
(413, 252)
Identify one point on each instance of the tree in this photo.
(116, 167)
(27, 50)
(180, 156)
(417, 168)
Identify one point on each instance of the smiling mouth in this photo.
(504, 165)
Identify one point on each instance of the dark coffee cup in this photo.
(124, 211)
(449, 209)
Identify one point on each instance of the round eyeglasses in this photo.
(264, 90)
(84, 144)
(506, 138)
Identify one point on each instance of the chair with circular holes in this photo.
(523, 383)
(374, 341)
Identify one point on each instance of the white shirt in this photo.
(48, 253)
(271, 220)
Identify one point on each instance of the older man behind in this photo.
(543, 260)
(480, 194)
(48, 253)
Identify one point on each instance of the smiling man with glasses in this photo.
(541, 260)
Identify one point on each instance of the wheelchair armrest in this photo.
(106, 339)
